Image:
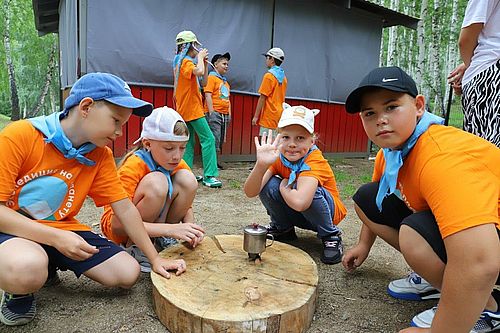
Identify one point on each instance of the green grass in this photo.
(4, 121)
(234, 184)
(350, 175)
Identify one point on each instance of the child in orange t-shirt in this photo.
(160, 184)
(188, 102)
(296, 184)
(48, 166)
(435, 197)
(272, 92)
(218, 105)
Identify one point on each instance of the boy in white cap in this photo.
(160, 184)
(48, 166)
(296, 184)
(272, 92)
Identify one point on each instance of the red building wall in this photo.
(338, 132)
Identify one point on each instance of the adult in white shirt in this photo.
(478, 77)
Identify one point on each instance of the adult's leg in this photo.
(480, 101)
(207, 142)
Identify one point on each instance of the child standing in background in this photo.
(188, 102)
(296, 184)
(159, 183)
(48, 166)
(272, 92)
(217, 92)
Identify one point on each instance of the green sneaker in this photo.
(212, 182)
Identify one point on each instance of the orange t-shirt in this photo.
(275, 93)
(321, 170)
(38, 181)
(130, 174)
(187, 94)
(454, 174)
(220, 91)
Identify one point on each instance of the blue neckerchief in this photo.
(176, 64)
(215, 73)
(298, 166)
(50, 126)
(278, 73)
(153, 166)
(394, 158)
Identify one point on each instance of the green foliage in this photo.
(234, 184)
(30, 55)
(4, 121)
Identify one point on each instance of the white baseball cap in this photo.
(160, 126)
(276, 53)
(298, 115)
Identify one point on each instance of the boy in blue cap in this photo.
(48, 166)
(435, 197)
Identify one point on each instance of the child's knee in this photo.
(28, 273)
(154, 185)
(185, 181)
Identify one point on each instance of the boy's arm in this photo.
(209, 101)
(68, 243)
(467, 41)
(260, 105)
(299, 198)
(131, 220)
(469, 278)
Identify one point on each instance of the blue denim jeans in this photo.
(318, 217)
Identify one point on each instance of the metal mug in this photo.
(255, 239)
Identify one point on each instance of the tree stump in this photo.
(223, 291)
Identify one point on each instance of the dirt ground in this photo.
(355, 302)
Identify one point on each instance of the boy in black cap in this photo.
(435, 197)
(217, 103)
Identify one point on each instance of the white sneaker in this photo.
(138, 255)
(413, 288)
(488, 321)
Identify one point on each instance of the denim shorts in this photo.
(57, 260)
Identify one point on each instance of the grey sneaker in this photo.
(138, 255)
(412, 288)
(17, 309)
(161, 243)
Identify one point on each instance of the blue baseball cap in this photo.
(108, 87)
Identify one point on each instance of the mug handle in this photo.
(271, 239)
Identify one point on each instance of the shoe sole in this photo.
(415, 297)
(331, 261)
(212, 186)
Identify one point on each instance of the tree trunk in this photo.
(393, 40)
(453, 37)
(14, 97)
(435, 59)
(420, 66)
(48, 81)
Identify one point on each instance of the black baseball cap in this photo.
(218, 56)
(390, 78)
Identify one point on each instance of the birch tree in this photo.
(14, 97)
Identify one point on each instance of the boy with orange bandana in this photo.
(435, 197)
(296, 184)
(48, 166)
(272, 92)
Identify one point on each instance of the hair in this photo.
(180, 129)
(277, 62)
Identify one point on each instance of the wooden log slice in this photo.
(223, 291)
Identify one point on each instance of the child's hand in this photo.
(255, 120)
(353, 258)
(202, 55)
(74, 246)
(189, 232)
(162, 266)
(267, 149)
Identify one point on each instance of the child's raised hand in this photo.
(74, 246)
(267, 149)
(203, 54)
(162, 266)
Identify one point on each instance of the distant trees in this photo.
(429, 53)
(29, 70)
